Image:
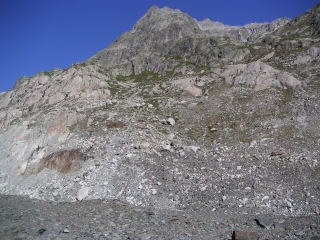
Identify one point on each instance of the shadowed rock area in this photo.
(63, 161)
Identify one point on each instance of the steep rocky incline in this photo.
(177, 114)
(163, 38)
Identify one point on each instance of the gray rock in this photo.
(83, 193)
(57, 229)
(299, 233)
(265, 222)
(143, 145)
(171, 121)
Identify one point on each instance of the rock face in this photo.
(48, 88)
(258, 75)
(176, 114)
(162, 36)
(242, 33)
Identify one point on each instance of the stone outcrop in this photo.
(310, 55)
(48, 88)
(258, 75)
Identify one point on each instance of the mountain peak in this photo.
(155, 11)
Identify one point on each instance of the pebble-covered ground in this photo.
(23, 218)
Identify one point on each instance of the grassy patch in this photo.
(287, 94)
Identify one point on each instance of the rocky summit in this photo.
(180, 129)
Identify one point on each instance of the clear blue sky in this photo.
(38, 35)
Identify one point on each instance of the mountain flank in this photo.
(180, 115)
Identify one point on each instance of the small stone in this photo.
(299, 233)
(238, 235)
(194, 148)
(265, 222)
(143, 145)
(253, 143)
(287, 226)
(166, 147)
(83, 193)
(224, 198)
(171, 121)
(112, 224)
(223, 192)
(22, 168)
(175, 143)
(57, 229)
(265, 198)
(181, 153)
(89, 122)
(276, 153)
(116, 233)
(244, 201)
(42, 230)
(66, 230)
(153, 191)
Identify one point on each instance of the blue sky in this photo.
(38, 35)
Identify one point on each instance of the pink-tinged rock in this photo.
(20, 135)
(188, 85)
(22, 168)
(96, 94)
(90, 121)
(288, 80)
(58, 126)
(257, 74)
(56, 98)
(12, 114)
(33, 99)
(237, 235)
(72, 119)
(39, 79)
(74, 85)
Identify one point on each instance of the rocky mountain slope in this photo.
(176, 114)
